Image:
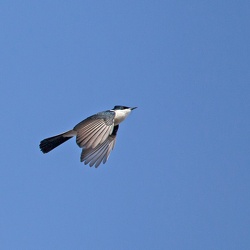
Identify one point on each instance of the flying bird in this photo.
(96, 135)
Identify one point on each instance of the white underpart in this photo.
(121, 115)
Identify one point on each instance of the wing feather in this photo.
(84, 132)
(101, 137)
(100, 153)
(91, 134)
(95, 129)
(97, 158)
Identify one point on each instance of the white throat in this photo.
(121, 115)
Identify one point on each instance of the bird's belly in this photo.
(119, 119)
(120, 116)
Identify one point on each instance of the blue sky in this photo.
(179, 176)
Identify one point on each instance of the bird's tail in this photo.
(50, 143)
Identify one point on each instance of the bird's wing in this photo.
(95, 129)
(94, 156)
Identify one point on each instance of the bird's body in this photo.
(96, 135)
(121, 115)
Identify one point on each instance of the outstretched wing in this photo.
(95, 130)
(94, 156)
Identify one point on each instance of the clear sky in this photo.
(179, 176)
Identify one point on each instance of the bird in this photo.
(96, 135)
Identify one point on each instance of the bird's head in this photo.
(119, 107)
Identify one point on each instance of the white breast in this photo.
(121, 115)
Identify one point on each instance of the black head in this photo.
(119, 107)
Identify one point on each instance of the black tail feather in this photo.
(50, 143)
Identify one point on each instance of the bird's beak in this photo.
(133, 108)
